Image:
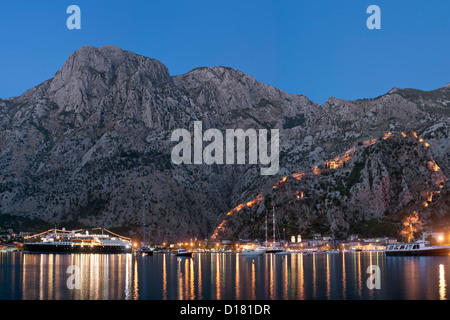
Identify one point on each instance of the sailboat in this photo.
(144, 249)
(273, 248)
(333, 249)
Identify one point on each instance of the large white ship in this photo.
(77, 241)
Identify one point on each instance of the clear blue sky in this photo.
(317, 48)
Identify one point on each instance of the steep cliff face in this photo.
(85, 145)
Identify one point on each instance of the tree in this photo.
(411, 226)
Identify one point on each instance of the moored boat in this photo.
(8, 249)
(144, 251)
(62, 241)
(273, 249)
(252, 252)
(183, 253)
(418, 248)
(283, 253)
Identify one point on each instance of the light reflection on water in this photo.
(222, 276)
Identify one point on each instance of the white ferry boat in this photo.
(418, 248)
(62, 241)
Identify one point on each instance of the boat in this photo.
(252, 252)
(333, 249)
(283, 253)
(417, 248)
(274, 250)
(183, 253)
(144, 251)
(62, 241)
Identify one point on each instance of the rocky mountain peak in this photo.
(393, 90)
(92, 73)
(229, 91)
(217, 72)
(110, 59)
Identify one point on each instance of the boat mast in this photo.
(332, 239)
(143, 218)
(273, 244)
(266, 231)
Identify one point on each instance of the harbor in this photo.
(110, 266)
(222, 276)
(102, 240)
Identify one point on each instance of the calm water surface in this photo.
(222, 276)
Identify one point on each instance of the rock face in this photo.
(384, 178)
(86, 145)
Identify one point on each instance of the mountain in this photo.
(383, 179)
(84, 147)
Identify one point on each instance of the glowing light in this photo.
(218, 229)
(369, 142)
(433, 166)
(298, 176)
(281, 182)
(411, 225)
(248, 204)
(258, 199)
(442, 284)
(431, 195)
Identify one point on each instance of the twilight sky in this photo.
(317, 48)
